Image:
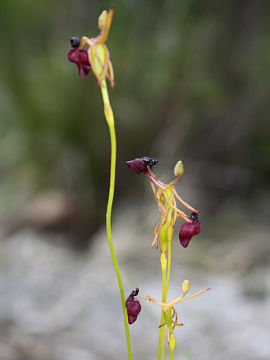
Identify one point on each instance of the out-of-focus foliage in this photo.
(192, 82)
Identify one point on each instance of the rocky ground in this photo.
(61, 304)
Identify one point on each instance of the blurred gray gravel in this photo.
(59, 304)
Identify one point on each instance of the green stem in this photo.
(171, 354)
(161, 340)
(164, 298)
(110, 120)
(169, 265)
(165, 286)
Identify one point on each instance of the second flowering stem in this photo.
(110, 121)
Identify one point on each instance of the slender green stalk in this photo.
(161, 335)
(161, 339)
(165, 285)
(169, 265)
(110, 120)
(162, 332)
(171, 354)
(164, 298)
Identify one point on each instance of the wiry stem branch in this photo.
(110, 120)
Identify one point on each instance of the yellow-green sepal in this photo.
(98, 59)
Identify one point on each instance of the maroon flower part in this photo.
(188, 230)
(80, 58)
(139, 165)
(133, 306)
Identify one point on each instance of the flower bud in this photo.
(178, 169)
(102, 19)
(185, 286)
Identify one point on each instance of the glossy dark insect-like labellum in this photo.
(188, 230)
(80, 58)
(139, 165)
(133, 306)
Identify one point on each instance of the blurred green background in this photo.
(192, 83)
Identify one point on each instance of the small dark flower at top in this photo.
(98, 56)
(80, 58)
(139, 165)
(188, 230)
(133, 306)
(75, 42)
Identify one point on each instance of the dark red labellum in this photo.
(131, 319)
(133, 306)
(139, 165)
(187, 231)
(80, 58)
